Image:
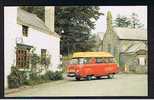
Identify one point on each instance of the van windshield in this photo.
(74, 61)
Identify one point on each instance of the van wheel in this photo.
(98, 77)
(89, 77)
(77, 78)
(110, 76)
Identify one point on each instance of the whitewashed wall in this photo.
(40, 41)
(10, 28)
(35, 38)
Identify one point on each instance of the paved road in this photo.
(121, 85)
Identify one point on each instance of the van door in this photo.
(88, 66)
(110, 65)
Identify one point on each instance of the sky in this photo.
(141, 11)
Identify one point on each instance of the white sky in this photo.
(141, 11)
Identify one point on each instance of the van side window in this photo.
(111, 60)
(105, 60)
(81, 61)
(74, 61)
(87, 61)
(99, 60)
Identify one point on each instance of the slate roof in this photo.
(137, 47)
(133, 47)
(31, 20)
(131, 34)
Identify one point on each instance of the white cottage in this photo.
(23, 31)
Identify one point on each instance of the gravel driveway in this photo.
(121, 85)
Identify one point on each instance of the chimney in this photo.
(49, 17)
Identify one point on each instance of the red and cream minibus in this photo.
(89, 64)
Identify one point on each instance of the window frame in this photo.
(43, 56)
(25, 30)
(22, 58)
(143, 61)
(106, 60)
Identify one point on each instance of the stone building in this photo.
(99, 40)
(129, 46)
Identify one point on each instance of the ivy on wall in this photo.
(18, 78)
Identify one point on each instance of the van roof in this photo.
(92, 54)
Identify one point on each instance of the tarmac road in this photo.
(121, 85)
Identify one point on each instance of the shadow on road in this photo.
(93, 79)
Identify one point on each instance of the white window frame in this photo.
(141, 60)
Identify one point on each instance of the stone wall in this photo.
(111, 41)
(130, 61)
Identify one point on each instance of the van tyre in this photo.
(77, 78)
(110, 76)
(98, 77)
(89, 77)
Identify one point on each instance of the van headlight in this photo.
(77, 70)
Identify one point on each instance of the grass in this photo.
(66, 58)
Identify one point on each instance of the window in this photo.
(80, 61)
(105, 60)
(99, 60)
(111, 60)
(25, 30)
(22, 58)
(141, 60)
(74, 61)
(22, 55)
(43, 56)
(87, 60)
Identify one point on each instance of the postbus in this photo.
(92, 64)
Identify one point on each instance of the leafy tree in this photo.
(122, 21)
(74, 24)
(135, 22)
(77, 23)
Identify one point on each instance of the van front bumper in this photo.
(71, 74)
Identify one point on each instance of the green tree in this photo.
(135, 22)
(132, 22)
(74, 24)
(122, 21)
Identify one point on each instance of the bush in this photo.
(28, 82)
(16, 78)
(45, 77)
(50, 75)
(34, 76)
(58, 75)
(13, 82)
(35, 81)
